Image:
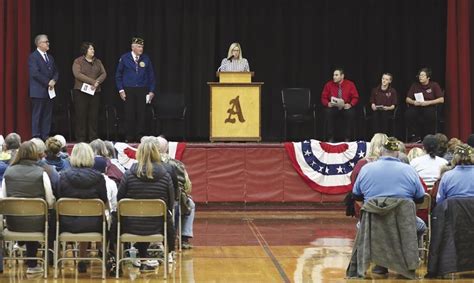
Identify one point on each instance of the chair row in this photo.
(27, 207)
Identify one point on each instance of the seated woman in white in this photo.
(234, 61)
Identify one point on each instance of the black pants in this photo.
(345, 116)
(86, 108)
(380, 120)
(135, 110)
(420, 120)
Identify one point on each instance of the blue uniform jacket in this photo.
(128, 75)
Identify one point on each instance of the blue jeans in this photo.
(187, 220)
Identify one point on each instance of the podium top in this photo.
(235, 77)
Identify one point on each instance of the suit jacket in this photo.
(40, 74)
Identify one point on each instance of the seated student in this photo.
(422, 98)
(383, 100)
(27, 179)
(400, 181)
(458, 182)
(428, 166)
(339, 97)
(82, 181)
(148, 179)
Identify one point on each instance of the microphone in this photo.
(225, 64)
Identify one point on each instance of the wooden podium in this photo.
(235, 107)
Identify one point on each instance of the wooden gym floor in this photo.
(296, 246)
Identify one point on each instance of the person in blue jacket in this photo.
(135, 82)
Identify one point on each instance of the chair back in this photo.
(23, 207)
(296, 100)
(426, 204)
(80, 207)
(141, 207)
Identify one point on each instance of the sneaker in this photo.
(136, 263)
(171, 258)
(152, 262)
(379, 270)
(146, 268)
(33, 270)
(186, 245)
(82, 267)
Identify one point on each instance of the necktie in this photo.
(46, 58)
(339, 91)
(136, 64)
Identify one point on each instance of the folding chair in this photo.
(24, 207)
(141, 208)
(80, 208)
(426, 237)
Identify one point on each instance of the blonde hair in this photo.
(26, 151)
(414, 153)
(147, 154)
(232, 46)
(40, 147)
(376, 144)
(82, 155)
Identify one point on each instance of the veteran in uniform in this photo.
(135, 81)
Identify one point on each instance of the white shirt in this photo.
(47, 190)
(43, 54)
(428, 168)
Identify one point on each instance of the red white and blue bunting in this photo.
(326, 167)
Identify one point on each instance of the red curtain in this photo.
(15, 46)
(458, 69)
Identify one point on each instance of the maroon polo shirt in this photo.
(349, 92)
(386, 97)
(431, 91)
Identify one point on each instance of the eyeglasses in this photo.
(47, 41)
(235, 50)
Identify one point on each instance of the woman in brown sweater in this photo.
(89, 73)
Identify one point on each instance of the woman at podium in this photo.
(234, 61)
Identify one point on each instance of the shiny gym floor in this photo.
(268, 246)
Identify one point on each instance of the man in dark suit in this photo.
(43, 77)
(135, 81)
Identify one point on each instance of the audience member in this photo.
(400, 181)
(185, 188)
(62, 140)
(101, 153)
(82, 181)
(414, 153)
(12, 143)
(25, 178)
(452, 144)
(458, 182)
(148, 179)
(53, 155)
(429, 165)
(443, 144)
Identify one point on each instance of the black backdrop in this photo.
(292, 43)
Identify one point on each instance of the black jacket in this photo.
(83, 183)
(134, 187)
(452, 232)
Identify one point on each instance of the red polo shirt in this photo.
(349, 92)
